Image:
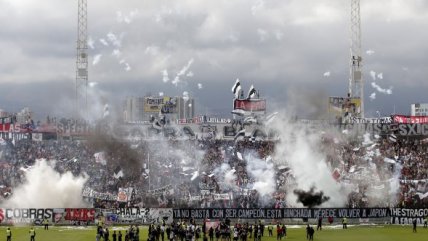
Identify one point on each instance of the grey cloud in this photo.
(223, 38)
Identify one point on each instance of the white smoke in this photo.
(372, 96)
(226, 177)
(263, 174)
(200, 86)
(382, 90)
(96, 59)
(46, 188)
(380, 76)
(299, 149)
(326, 74)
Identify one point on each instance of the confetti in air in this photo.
(116, 52)
(200, 86)
(182, 72)
(373, 74)
(127, 67)
(372, 96)
(370, 52)
(114, 40)
(152, 50)
(91, 43)
(186, 96)
(92, 84)
(104, 42)
(326, 74)
(165, 77)
(127, 18)
(97, 59)
(382, 90)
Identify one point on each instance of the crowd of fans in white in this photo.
(186, 171)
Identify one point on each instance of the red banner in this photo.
(4, 127)
(249, 105)
(80, 214)
(405, 119)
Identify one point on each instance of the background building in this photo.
(419, 109)
(133, 109)
(141, 109)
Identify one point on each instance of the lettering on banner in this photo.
(143, 215)
(80, 214)
(281, 213)
(26, 215)
(409, 212)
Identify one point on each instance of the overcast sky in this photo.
(295, 52)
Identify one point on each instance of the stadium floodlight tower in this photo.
(356, 82)
(82, 61)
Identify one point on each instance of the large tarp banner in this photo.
(138, 215)
(266, 213)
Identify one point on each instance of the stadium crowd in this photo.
(187, 173)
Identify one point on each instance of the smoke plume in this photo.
(310, 198)
(46, 188)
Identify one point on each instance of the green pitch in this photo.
(357, 233)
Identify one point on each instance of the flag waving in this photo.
(251, 92)
(236, 88)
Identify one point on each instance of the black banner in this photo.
(266, 213)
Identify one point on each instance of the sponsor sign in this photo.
(5, 127)
(405, 119)
(79, 214)
(339, 106)
(160, 104)
(252, 105)
(73, 128)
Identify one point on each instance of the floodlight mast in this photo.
(356, 81)
(81, 108)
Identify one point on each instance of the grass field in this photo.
(333, 233)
